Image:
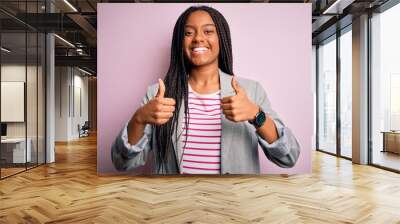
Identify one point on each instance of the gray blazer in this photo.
(239, 141)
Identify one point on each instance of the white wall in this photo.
(79, 112)
(62, 81)
(70, 83)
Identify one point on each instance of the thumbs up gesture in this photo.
(238, 107)
(159, 110)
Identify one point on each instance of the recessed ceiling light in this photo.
(70, 5)
(84, 71)
(337, 7)
(64, 40)
(5, 50)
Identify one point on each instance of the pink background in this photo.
(271, 44)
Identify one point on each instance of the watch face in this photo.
(260, 119)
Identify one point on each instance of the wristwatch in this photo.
(259, 120)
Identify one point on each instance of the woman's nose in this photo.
(198, 37)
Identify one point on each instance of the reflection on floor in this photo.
(387, 159)
(11, 169)
(346, 152)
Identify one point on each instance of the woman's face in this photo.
(201, 44)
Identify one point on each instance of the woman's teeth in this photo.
(199, 49)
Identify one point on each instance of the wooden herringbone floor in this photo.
(70, 191)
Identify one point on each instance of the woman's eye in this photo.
(188, 33)
(209, 31)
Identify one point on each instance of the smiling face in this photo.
(201, 45)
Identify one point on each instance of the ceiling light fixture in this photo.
(70, 5)
(337, 7)
(5, 50)
(84, 71)
(65, 41)
(79, 51)
(326, 11)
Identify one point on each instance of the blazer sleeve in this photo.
(284, 151)
(126, 156)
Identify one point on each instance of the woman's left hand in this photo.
(239, 107)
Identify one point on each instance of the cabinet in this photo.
(13, 150)
(391, 141)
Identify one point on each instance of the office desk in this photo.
(391, 141)
(13, 150)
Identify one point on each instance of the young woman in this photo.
(201, 119)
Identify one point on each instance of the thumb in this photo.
(236, 86)
(161, 89)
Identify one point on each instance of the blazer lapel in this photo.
(226, 138)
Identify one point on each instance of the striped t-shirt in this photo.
(202, 152)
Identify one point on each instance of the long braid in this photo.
(225, 57)
(176, 79)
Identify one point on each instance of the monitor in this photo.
(3, 129)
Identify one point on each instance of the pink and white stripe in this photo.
(202, 152)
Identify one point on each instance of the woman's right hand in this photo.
(157, 111)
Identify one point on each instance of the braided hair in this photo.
(176, 78)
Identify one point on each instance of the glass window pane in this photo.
(31, 97)
(14, 153)
(385, 84)
(327, 96)
(22, 88)
(346, 94)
